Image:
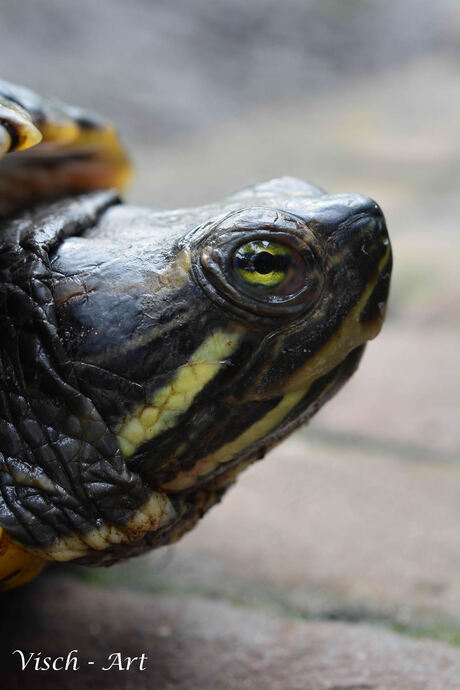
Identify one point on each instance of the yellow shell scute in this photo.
(17, 566)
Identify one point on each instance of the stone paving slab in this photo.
(328, 532)
(406, 391)
(197, 644)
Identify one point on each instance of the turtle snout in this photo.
(357, 254)
(355, 233)
(362, 246)
(366, 235)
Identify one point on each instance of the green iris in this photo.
(262, 264)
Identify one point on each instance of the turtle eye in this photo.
(269, 268)
(262, 264)
(265, 266)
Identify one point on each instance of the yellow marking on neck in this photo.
(176, 397)
(157, 512)
(255, 432)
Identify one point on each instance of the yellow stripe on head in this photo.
(177, 396)
(351, 333)
(255, 432)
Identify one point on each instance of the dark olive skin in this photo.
(148, 355)
(110, 272)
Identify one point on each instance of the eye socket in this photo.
(262, 264)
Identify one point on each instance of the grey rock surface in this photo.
(172, 68)
(331, 531)
(197, 644)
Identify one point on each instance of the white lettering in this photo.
(23, 659)
(72, 660)
(46, 663)
(117, 663)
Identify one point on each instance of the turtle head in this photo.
(204, 336)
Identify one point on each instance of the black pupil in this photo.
(264, 262)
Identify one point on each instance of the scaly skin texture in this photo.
(142, 370)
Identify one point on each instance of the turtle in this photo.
(147, 355)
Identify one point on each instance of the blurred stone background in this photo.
(327, 558)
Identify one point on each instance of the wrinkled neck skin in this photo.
(193, 384)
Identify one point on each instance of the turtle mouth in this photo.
(374, 310)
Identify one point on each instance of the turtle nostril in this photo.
(370, 233)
